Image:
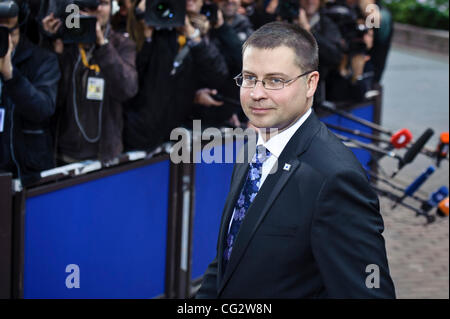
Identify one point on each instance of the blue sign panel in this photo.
(102, 239)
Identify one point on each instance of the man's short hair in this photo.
(277, 34)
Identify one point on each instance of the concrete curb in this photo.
(421, 38)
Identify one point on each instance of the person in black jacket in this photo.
(238, 22)
(226, 39)
(328, 37)
(167, 89)
(29, 79)
(97, 78)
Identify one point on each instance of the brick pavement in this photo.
(418, 254)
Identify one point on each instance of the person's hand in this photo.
(189, 31)
(303, 20)
(58, 46)
(220, 19)
(205, 97)
(272, 7)
(368, 39)
(100, 35)
(6, 68)
(142, 5)
(358, 63)
(242, 11)
(148, 31)
(51, 24)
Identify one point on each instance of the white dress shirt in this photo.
(276, 145)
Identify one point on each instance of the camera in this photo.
(288, 10)
(8, 9)
(210, 11)
(86, 32)
(165, 14)
(352, 31)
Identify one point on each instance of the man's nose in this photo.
(258, 92)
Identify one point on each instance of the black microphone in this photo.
(415, 149)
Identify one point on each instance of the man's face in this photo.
(15, 34)
(103, 12)
(276, 108)
(194, 6)
(310, 6)
(229, 7)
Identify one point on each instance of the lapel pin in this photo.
(287, 167)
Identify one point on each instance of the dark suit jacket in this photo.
(310, 232)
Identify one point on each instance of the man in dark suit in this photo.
(301, 220)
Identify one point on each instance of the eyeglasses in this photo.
(272, 83)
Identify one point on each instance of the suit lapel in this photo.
(236, 188)
(265, 198)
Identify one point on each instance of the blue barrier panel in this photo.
(113, 229)
(366, 113)
(212, 184)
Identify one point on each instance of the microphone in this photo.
(442, 149)
(415, 149)
(435, 199)
(401, 138)
(416, 184)
(442, 209)
(331, 107)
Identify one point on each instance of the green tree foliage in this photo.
(423, 13)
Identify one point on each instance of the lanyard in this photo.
(94, 67)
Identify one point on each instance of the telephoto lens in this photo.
(8, 9)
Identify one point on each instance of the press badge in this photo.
(2, 119)
(95, 89)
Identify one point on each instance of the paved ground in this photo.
(416, 96)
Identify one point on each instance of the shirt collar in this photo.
(276, 144)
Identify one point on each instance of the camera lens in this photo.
(165, 11)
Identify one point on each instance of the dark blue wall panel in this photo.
(113, 228)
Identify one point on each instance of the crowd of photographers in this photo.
(90, 79)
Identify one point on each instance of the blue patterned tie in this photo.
(248, 194)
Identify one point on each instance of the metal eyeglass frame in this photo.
(264, 83)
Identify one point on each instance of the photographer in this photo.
(238, 22)
(96, 79)
(260, 12)
(172, 64)
(355, 75)
(226, 39)
(29, 79)
(382, 36)
(119, 20)
(328, 37)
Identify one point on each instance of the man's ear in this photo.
(312, 83)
